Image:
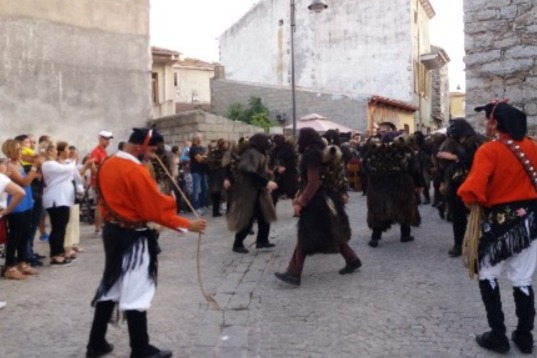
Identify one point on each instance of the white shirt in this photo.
(58, 178)
(4, 181)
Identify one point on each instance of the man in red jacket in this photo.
(129, 199)
(503, 180)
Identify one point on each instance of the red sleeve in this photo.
(154, 206)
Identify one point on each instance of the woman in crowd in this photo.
(58, 197)
(20, 216)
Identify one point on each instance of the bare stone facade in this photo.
(501, 55)
(440, 94)
(183, 126)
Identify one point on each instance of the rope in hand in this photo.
(208, 298)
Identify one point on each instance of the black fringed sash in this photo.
(505, 233)
(122, 248)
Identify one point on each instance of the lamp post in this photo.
(316, 6)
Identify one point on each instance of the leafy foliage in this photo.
(255, 113)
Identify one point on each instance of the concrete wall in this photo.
(501, 55)
(193, 85)
(183, 126)
(350, 111)
(351, 47)
(73, 68)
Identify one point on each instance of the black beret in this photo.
(138, 136)
(510, 119)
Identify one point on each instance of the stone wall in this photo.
(183, 126)
(344, 109)
(440, 94)
(501, 55)
(73, 68)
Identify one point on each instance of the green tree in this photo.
(255, 113)
(236, 112)
(261, 120)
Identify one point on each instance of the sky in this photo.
(192, 27)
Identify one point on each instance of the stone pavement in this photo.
(408, 299)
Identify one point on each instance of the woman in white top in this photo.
(58, 197)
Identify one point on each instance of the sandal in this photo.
(27, 269)
(12, 273)
(78, 249)
(70, 254)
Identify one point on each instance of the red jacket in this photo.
(497, 176)
(132, 194)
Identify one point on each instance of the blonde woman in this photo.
(19, 229)
(58, 197)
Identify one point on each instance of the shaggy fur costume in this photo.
(249, 188)
(333, 169)
(284, 155)
(393, 174)
(323, 223)
(215, 173)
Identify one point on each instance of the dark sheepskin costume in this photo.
(323, 223)
(393, 173)
(249, 185)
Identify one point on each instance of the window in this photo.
(175, 80)
(154, 84)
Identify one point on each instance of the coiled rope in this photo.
(208, 298)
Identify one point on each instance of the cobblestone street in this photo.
(407, 300)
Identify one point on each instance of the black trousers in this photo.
(59, 217)
(459, 214)
(18, 236)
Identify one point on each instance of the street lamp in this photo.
(316, 6)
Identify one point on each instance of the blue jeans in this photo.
(199, 190)
(37, 214)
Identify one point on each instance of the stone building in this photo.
(372, 47)
(163, 81)
(192, 78)
(440, 93)
(501, 55)
(73, 68)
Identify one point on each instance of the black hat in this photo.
(510, 119)
(460, 128)
(140, 135)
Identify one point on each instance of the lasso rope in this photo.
(471, 240)
(208, 298)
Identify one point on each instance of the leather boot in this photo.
(405, 233)
(494, 340)
(375, 237)
(139, 338)
(97, 345)
(215, 198)
(525, 311)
